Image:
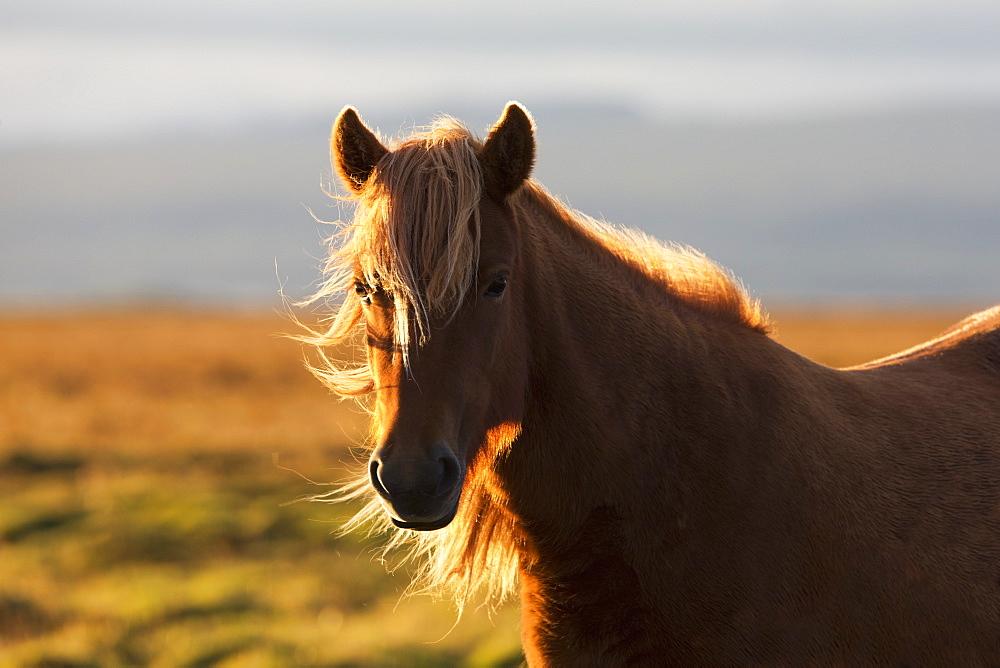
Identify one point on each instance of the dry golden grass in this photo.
(148, 379)
(152, 379)
(144, 522)
(846, 336)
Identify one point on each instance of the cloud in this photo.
(100, 69)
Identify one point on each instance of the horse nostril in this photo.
(374, 473)
(450, 473)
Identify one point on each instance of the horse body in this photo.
(672, 484)
(808, 512)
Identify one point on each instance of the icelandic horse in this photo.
(602, 422)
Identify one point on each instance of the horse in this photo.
(601, 422)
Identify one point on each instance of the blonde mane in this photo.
(415, 234)
(686, 273)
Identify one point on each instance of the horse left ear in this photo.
(509, 152)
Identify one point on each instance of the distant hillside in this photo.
(899, 206)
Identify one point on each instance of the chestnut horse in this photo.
(603, 422)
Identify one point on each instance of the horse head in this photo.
(438, 283)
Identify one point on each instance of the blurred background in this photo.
(164, 170)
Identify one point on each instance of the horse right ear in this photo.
(508, 153)
(354, 149)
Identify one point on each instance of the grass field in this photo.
(149, 464)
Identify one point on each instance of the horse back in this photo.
(973, 342)
(939, 393)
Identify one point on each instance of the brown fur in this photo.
(671, 485)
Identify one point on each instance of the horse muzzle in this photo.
(420, 493)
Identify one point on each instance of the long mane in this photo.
(415, 233)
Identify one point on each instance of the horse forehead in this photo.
(498, 233)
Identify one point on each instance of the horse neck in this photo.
(627, 383)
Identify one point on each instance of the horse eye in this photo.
(496, 288)
(362, 291)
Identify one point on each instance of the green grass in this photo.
(202, 561)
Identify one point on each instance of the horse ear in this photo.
(508, 153)
(354, 149)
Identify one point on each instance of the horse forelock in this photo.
(416, 227)
(415, 234)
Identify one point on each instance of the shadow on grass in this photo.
(21, 618)
(43, 523)
(24, 462)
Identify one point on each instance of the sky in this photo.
(94, 70)
(836, 149)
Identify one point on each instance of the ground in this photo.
(152, 463)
